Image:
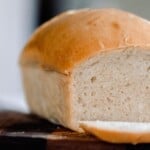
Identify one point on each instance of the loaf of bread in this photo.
(90, 64)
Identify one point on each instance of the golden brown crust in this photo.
(72, 37)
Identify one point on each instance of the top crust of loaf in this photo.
(74, 36)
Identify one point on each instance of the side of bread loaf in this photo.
(48, 94)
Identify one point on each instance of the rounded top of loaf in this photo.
(74, 36)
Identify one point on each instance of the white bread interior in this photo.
(110, 86)
(118, 132)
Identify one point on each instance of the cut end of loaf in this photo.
(113, 86)
(118, 132)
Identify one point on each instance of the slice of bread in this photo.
(118, 132)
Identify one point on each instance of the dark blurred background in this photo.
(19, 18)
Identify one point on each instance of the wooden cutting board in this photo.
(28, 132)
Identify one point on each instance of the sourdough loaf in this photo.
(90, 64)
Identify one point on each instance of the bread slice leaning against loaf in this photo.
(90, 64)
(118, 132)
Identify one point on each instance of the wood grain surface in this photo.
(24, 132)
